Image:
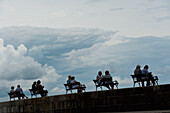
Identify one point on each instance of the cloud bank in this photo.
(46, 54)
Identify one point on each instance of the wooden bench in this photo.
(69, 87)
(13, 95)
(32, 93)
(35, 94)
(112, 83)
(137, 79)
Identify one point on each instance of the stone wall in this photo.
(118, 100)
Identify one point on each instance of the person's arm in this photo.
(98, 78)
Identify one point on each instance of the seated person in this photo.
(69, 79)
(105, 81)
(12, 91)
(20, 93)
(75, 86)
(34, 87)
(138, 73)
(148, 74)
(40, 89)
(99, 77)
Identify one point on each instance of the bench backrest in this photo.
(70, 85)
(106, 79)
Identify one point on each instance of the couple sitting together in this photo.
(37, 88)
(105, 80)
(71, 79)
(18, 92)
(144, 75)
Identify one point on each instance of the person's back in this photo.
(107, 79)
(40, 89)
(12, 90)
(34, 87)
(138, 71)
(69, 79)
(107, 76)
(19, 90)
(148, 74)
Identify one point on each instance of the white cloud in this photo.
(80, 52)
(16, 68)
(59, 13)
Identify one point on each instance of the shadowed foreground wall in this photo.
(129, 99)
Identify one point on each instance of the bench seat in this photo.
(112, 83)
(69, 87)
(137, 79)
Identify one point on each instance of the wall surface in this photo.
(118, 100)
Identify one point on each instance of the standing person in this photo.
(106, 82)
(40, 89)
(99, 77)
(34, 87)
(138, 73)
(148, 74)
(20, 93)
(69, 79)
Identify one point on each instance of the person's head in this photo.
(138, 67)
(69, 77)
(34, 82)
(38, 81)
(146, 67)
(12, 87)
(106, 72)
(18, 86)
(72, 78)
(99, 73)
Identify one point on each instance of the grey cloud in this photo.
(116, 9)
(83, 52)
(96, 1)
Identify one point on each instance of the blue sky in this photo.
(50, 39)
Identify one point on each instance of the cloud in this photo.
(116, 9)
(58, 13)
(16, 68)
(96, 1)
(81, 52)
(14, 65)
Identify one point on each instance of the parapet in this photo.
(118, 100)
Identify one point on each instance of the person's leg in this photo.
(142, 83)
(107, 86)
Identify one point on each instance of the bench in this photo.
(13, 95)
(36, 93)
(137, 79)
(32, 93)
(69, 87)
(112, 83)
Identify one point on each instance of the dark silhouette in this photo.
(34, 87)
(20, 93)
(40, 89)
(149, 75)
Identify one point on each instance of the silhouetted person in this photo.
(148, 74)
(69, 79)
(40, 89)
(106, 81)
(138, 73)
(20, 93)
(99, 77)
(34, 87)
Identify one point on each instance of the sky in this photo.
(48, 40)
